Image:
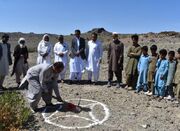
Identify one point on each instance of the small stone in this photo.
(133, 113)
(145, 126)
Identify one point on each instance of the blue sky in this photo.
(64, 16)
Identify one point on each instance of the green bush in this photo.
(13, 113)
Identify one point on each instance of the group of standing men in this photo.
(82, 56)
(42, 78)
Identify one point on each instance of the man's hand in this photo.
(46, 54)
(77, 54)
(81, 50)
(100, 61)
(130, 55)
(121, 66)
(70, 54)
(46, 91)
(162, 78)
(61, 54)
(119, 63)
(60, 99)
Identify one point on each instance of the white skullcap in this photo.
(115, 33)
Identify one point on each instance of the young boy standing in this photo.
(152, 68)
(170, 77)
(161, 74)
(143, 66)
(134, 54)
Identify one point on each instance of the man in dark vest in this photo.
(77, 56)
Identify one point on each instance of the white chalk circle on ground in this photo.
(90, 118)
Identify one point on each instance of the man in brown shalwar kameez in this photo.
(134, 54)
(115, 60)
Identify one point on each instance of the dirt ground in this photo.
(106, 108)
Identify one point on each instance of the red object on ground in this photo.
(71, 106)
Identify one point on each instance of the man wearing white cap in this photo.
(20, 60)
(60, 55)
(115, 60)
(94, 56)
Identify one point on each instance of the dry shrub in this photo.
(13, 113)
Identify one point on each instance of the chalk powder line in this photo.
(93, 121)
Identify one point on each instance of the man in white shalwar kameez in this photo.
(60, 55)
(77, 57)
(94, 52)
(44, 50)
(5, 59)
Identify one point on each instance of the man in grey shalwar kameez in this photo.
(42, 79)
(5, 58)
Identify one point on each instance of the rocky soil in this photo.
(127, 111)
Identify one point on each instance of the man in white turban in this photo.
(20, 60)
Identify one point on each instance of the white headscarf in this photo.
(47, 44)
(46, 35)
(19, 41)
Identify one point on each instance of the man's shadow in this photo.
(85, 82)
(10, 89)
(64, 107)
